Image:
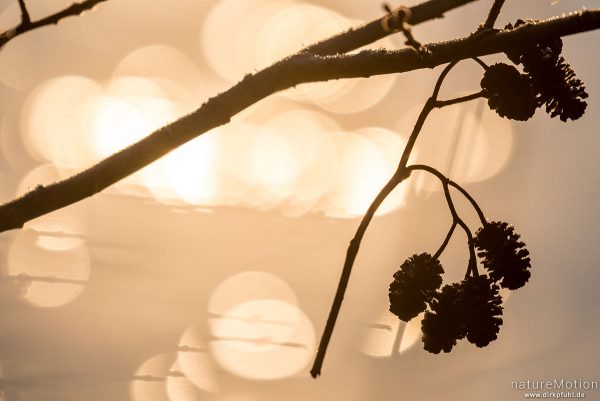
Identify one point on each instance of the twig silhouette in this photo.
(493, 15)
(27, 25)
(401, 173)
(25, 18)
(446, 240)
(456, 220)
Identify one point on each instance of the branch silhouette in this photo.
(402, 173)
(302, 67)
(502, 85)
(27, 25)
(493, 15)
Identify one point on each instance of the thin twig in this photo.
(446, 183)
(481, 63)
(451, 183)
(429, 105)
(471, 200)
(466, 98)
(446, 240)
(472, 267)
(25, 18)
(399, 175)
(300, 68)
(27, 25)
(398, 18)
(493, 15)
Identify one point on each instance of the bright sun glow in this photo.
(57, 119)
(294, 156)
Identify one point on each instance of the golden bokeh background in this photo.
(209, 274)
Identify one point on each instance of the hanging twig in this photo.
(451, 183)
(446, 240)
(472, 267)
(401, 173)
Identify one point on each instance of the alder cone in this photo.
(482, 308)
(471, 309)
(508, 92)
(504, 255)
(414, 285)
(551, 78)
(443, 326)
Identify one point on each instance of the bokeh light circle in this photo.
(55, 275)
(149, 379)
(56, 121)
(195, 362)
(294, 156)
(248, 286)
(268, 340)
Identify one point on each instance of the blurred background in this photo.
(209, 274)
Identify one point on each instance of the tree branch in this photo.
(401, 173)
(493, 15)
(461, 99)
(25, 18)
(27, 25)
(355, 38)
(451, 183)
(471, 201)
(300, 68)
(446, 183)
(446, 240)
(472, 267)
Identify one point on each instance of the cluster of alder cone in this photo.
(473, 308)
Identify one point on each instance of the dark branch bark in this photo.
(299, 68)
(25, 18)
(27, 25)
(493, 15)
